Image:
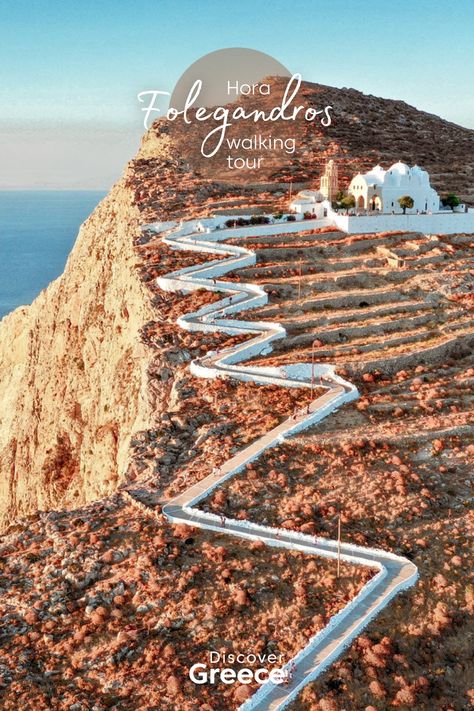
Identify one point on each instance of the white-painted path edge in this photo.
(395, 573)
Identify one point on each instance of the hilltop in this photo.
(365, 130)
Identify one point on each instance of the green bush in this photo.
(451, 200)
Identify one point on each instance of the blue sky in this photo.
(71, 70)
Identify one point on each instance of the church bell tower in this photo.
(329, 181)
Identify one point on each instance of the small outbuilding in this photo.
(310, 201)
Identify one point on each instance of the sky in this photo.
(71, 71)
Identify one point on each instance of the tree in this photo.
(406, 201)
(348, 201)
(343, 200)
(451, 200)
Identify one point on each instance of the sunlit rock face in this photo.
(72, 372)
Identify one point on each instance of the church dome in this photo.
(420, 175)
(375, 176)
(310, 195)
(400, 168)
(397, 174)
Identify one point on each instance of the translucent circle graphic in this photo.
(240, 66)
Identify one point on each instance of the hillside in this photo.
(365, 130)
(102, 420)
(54, 434)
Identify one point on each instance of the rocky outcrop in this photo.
(72, 372)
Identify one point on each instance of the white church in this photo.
(381, 189)
(377, 209)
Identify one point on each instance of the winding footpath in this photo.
(394, 572)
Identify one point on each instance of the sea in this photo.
(37, 231)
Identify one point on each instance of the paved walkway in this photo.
(394, 572)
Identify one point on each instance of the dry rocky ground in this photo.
(111, 602)
(108, 606)
(396, 465)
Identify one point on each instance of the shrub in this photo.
(259, 220)
(377, 689)
(348, 202)
(406, 201)
(451, 200)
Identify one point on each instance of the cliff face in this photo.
(72, 371)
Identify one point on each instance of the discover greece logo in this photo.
(217, 670)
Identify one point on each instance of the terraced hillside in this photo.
(383, 300)
(394, 467)
(395, 312)
(142, 599)
(111, 601)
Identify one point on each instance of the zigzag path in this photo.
(395, 573)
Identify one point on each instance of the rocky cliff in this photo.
(72, 371)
